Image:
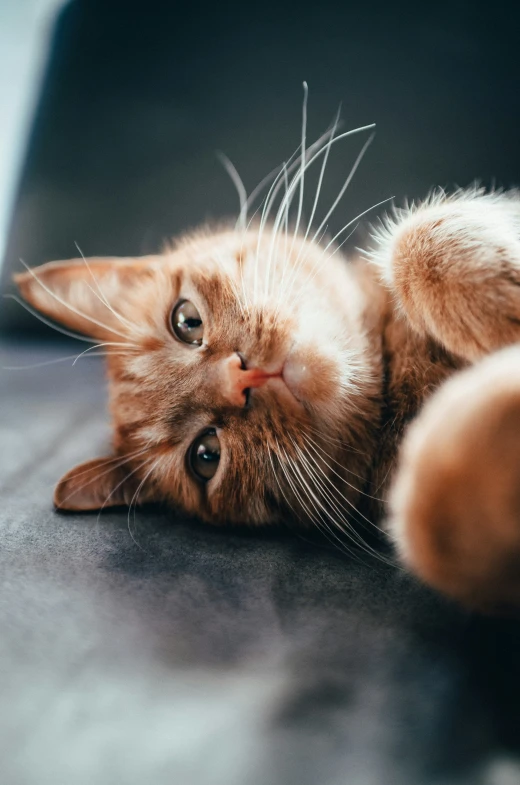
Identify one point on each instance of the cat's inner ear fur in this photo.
(84, 295)
(97, 484)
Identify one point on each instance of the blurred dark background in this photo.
(139, 96)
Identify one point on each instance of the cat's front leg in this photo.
(453, 264)
(454, 509)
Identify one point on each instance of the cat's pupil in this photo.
(187, 323)
(204, 455)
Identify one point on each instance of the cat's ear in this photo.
(97, 484)
(85, 295)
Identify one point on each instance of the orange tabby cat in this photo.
(255, 374)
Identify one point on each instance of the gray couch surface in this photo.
(147, 648)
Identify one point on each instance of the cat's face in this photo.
(243, 377)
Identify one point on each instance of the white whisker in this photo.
(320, 182)
(349, 224)
(113, 463)
(294, 184)
(119, 484)
(326, 218)
(50, 324)
(284, 495)
(302, 158)
(286, 169)
(239, 185)
(101, 474)
(345, 185)
(323, 516)
(135, 498)
(100, 345)
(336, 505)
(317, 447)
(56, 360)
(318, 266)
(341, 510)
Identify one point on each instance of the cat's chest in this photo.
(413, 367)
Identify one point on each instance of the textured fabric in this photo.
(146, 648)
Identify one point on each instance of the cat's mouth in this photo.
(305, 378)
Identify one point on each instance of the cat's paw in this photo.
(455, 503)
(454, 266)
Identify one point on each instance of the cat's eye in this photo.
(187, 323)
(204, 455)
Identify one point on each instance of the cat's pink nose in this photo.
(238, 379)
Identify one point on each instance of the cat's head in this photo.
(243, 376)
